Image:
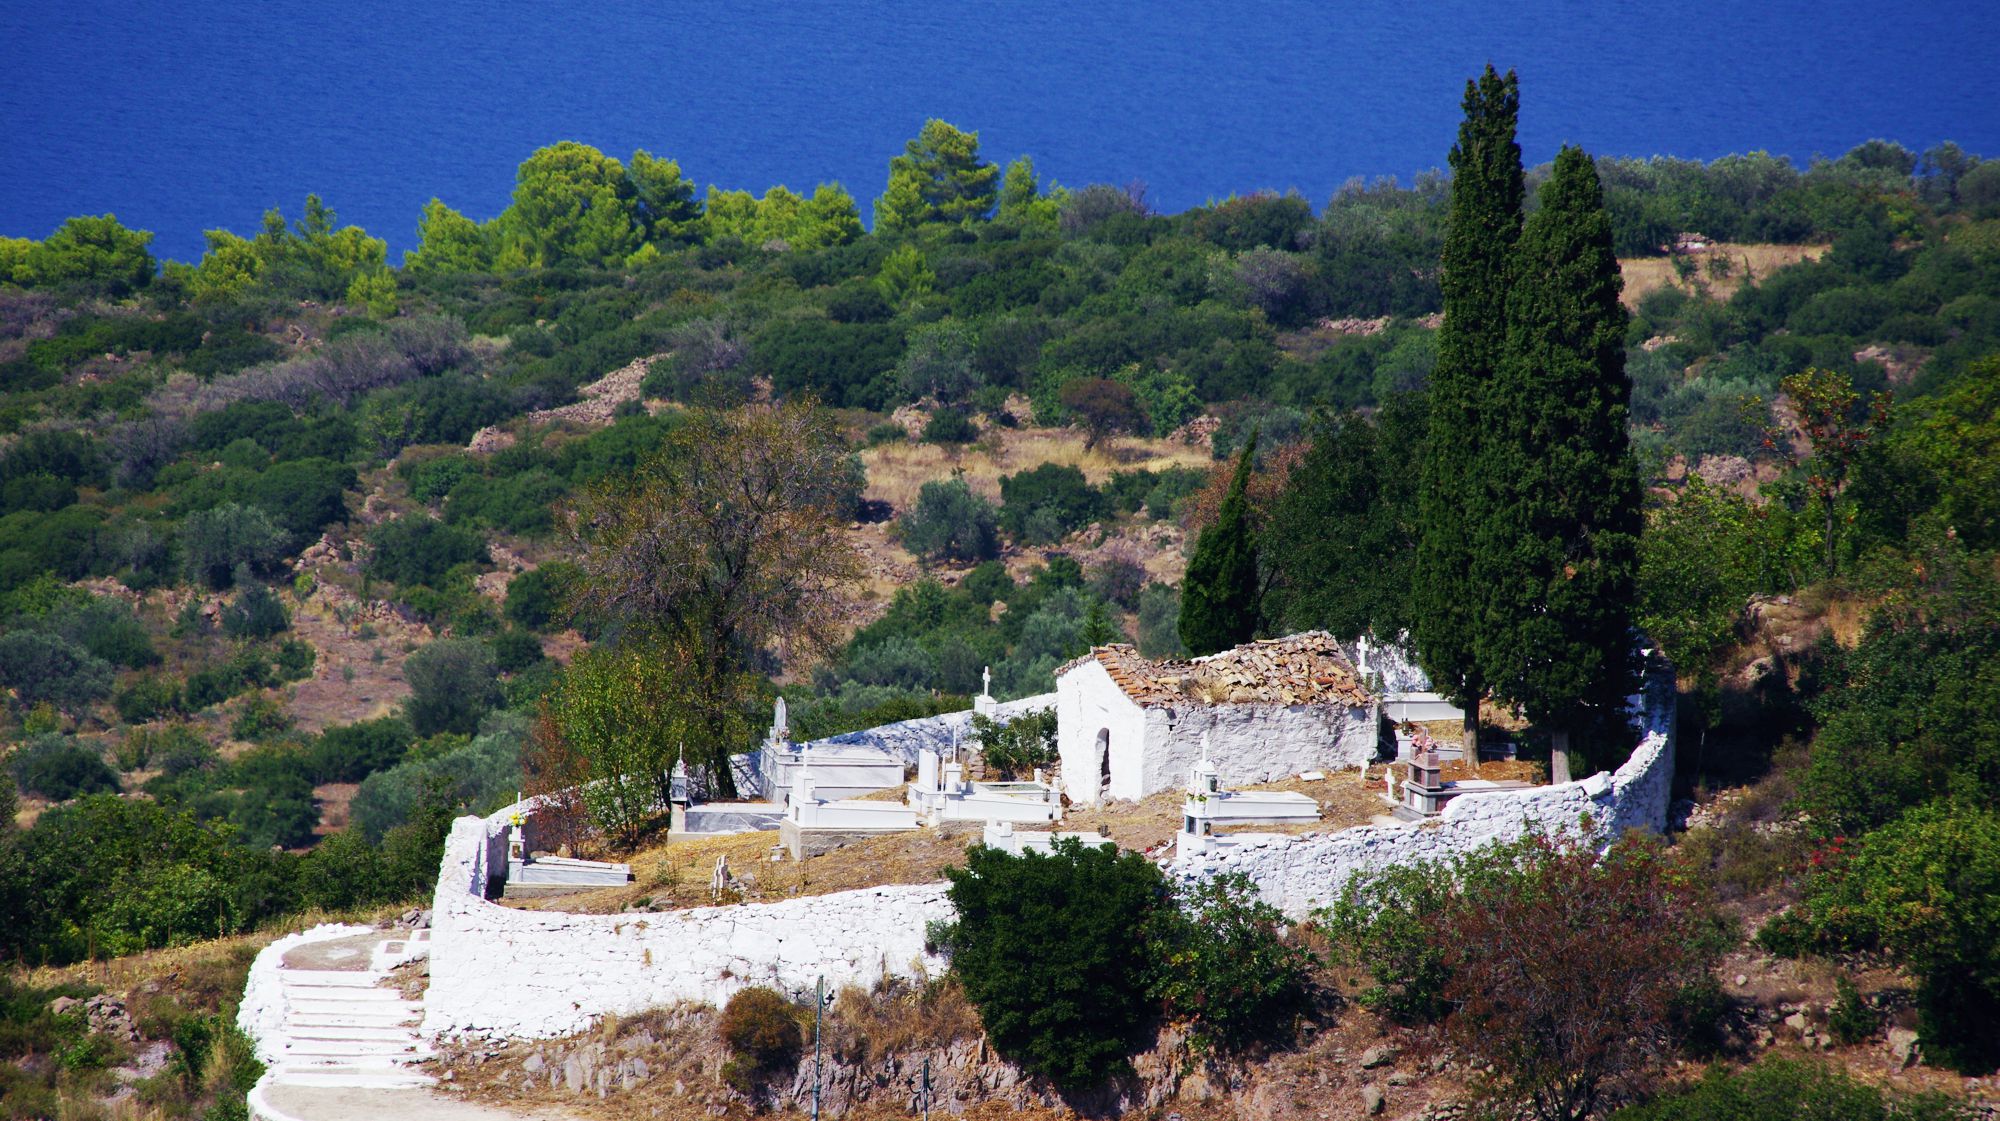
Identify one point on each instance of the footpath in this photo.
(338, 1041)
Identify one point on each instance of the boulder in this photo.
(1903, 1046)
(1372, 1101)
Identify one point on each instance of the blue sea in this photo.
(191, 115)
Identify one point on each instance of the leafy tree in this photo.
(905, 277)
(1052, 951)
(1703, 555)
(419, 549)
(453, 682)
(448, 243)
(1159, 622)
(216, 543)
(96, 254)
(1826, 404)
(1557, 553)
(1017, 746)
(727, 542)
(352, 752)
(573, 205)
(48, 668)
(950, 523)
(256, 613)
(310, 257)
(938, 178)
(1023, 202)
(763, 1030)
(938, 364)
(1219, 596)
(1926, 889)
(59, 768)
(535, 597)
(1105, 407)
(1227, 969)
(1343, 538)
(1485, 220)
(1042, 505)
(664, 198)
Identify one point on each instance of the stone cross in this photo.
(1361, 646)
(986, 682)
(1389, 782)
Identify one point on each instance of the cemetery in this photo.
(527, 970)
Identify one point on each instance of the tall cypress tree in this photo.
(1220, 592)
(1558, 555)
(1484, 221)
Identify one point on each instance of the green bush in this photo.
(483, 775)
(147, 699)
(1790, 1089)
(59, 768)
(535, 597)
(255, 613)
(46, 668)
(1018, 746)
(1379, 924)
(259, 719)
(1045, 504)
(515, 650)
(1053, 952)
(1227, 967)
(1925, 889)
(950, 426)
(215, 543)
(950, 522)
(1851, 1020)
(419, 550)
(760, 1025)
(453, 682)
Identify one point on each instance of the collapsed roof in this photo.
(1301, 669)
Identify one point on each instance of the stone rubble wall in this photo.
(1254, 743)
(1301, 874)
(500, 972)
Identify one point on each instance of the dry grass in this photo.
(897, 471)
(1747, 262)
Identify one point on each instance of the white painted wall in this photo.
(1300, 874)
(1087, 702)
(1152, 748)
(497, 971)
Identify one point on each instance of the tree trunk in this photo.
(1559, 756)
(1470, 739)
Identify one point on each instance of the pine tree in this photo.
(1558, 555)
(1484, 221)
(1219, 595)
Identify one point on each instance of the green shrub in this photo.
(255, 613)
(1851, 1020)
(453, 682)
(146, 699)
(1789, 1089)
(950, 426)
(59, 768)
(535, 597)
(1053, 952)
(49, 668)
(1227, 968)
(1045, 504)
(1160, 622)
(259, 719)
(419, 550)
(1018, 746)
(216, 543)
(515, 650)
(1379, 924)
(760, 1025)
(950, 522)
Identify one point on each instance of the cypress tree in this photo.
(1484, 221)
(1558, 557)
(1219, 595)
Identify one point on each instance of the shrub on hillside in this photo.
(419, 550)
(59, 768)
(535, 597)
(1226, 966)
(453, 682)
(216, 543)
(255, 613)
(759, 1024)
(951, 523)
(352, 752)
(950, 426)
(1018, 746)
(1788, 1089)
(481, 776)
(1052, 951)
(46, 668)
(1046, 504)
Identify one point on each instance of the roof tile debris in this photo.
(1301, 669)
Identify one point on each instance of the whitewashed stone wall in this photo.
(906, 738)
(1151, 748)
(1300, 874)
(497, 971)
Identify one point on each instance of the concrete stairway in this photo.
(343, 1028)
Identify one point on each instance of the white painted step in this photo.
(361, 1080)
(350, 1033)
(295, 993)
(330, 978)
(302, 1023)
(404, 1050)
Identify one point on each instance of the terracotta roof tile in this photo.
(1301, 669)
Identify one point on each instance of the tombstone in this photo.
(1203, 779)
(984, 704)
(678, 797)
(781, 726)
(1361, 649)
(718, 880)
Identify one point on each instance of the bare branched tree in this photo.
(727, 541)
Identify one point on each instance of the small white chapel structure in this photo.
(1129, 726)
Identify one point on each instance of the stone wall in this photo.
(906, 738)
(497, 971)
(1302, 873)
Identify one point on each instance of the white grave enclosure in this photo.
(1130, 726)
(941, 793)
(1208, 806)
